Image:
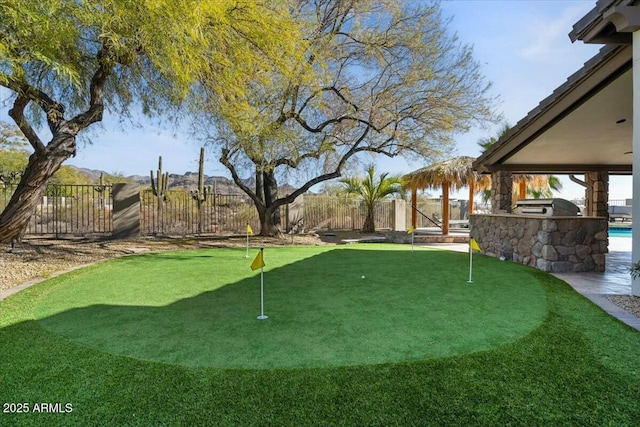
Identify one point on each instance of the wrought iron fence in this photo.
(88, 209)
(179, 214)
(342, 213)
(69, 210)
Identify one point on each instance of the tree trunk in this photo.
(267, 226)
(369, 224)
(14, 219)
(259, 185)
(270, 195)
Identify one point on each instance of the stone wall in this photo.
(552, 244)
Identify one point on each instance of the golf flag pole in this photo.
(248, 231)
(411, 231)
(473, 246)
(258, 263)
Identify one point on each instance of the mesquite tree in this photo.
(378, 77)
(66, 61)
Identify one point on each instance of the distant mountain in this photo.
(92, 174)
(187, 181)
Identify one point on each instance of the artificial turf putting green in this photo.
(198, 308)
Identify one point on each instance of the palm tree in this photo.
(486, 143)
(372, 189)
(542, 188)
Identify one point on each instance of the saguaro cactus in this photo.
(100, 190)
(202, 192)
(160, 185)
(159, 189)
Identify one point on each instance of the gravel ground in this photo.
(38, 258)
(41, 258)
(628, 303)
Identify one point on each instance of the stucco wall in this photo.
(552, 244)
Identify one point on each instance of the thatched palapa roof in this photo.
(457, 172)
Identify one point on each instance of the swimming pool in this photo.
(620, 232)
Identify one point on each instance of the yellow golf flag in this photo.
(411, 230)
(249, 230)
(258, 262)
(474, 245)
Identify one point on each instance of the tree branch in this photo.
(53, 111)
(302, 122)
(17, 114)
(327, 176)
(328, 89)
(226, 161)
(31, 93)
(96, 89)
(294, 163)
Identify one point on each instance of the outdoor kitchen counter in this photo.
(549, 243)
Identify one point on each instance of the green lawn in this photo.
(173, 339)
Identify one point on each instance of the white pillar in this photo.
(635, 248)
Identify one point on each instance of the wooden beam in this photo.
(445, 208)
(414, 205)
(522, 190)
(472, 191)
(561, 168)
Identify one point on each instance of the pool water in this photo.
(620, 232)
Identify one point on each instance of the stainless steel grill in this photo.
(546, 207)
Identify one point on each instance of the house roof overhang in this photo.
(584, 125)
(609, 22)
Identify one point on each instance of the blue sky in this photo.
(523, 47)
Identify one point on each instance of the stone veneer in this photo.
(552, 244)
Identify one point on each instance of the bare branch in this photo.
(328, 89)
(337, 172)
(320, 127)
(225, 159)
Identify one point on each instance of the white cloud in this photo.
(548, 40)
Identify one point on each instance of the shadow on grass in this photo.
(576, 368)
(410, 306)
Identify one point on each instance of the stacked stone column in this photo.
(597, 193)
(501, 190)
